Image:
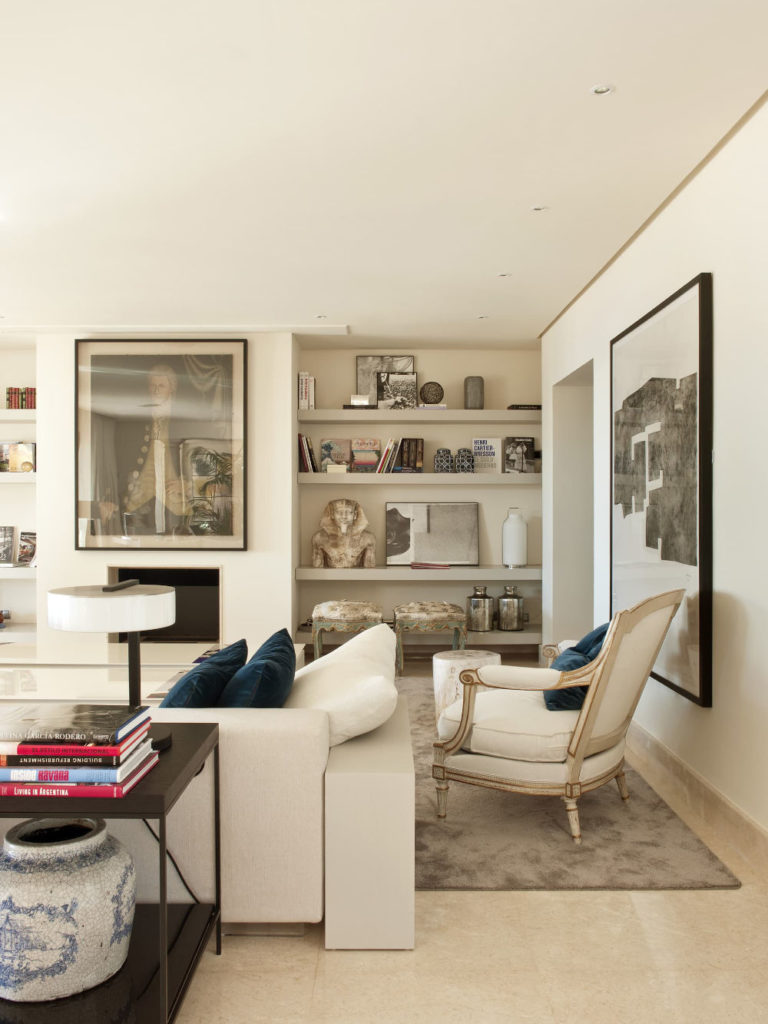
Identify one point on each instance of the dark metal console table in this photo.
(152, 982)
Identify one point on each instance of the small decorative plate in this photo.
(431, 393)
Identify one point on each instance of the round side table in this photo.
(446, 666)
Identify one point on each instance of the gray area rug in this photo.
(507, 841)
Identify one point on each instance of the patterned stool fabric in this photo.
(446, 667)
(342, 617)
(429, 617)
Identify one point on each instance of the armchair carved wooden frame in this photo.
(592, 751)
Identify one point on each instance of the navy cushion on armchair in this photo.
(586, 650)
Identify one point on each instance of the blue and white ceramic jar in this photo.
(443, 460)
(67, 897)
(464, 461)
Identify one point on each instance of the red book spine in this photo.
(70, 749)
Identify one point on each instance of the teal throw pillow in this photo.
(266, 680)
(586, 650)
(202, 686)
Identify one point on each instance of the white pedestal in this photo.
(446, 666)
(369, 839)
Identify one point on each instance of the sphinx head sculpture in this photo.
(343, 540)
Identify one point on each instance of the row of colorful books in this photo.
(80, 750)
(362, 455)
(20, 398)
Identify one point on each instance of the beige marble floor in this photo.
(519, 957)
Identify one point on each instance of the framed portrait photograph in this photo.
(661, 477)
(432, 531)
(368, 368)
(160, 444)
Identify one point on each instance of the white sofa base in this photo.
(369, 839)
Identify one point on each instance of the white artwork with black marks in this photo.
(432, 531)
(655, 476)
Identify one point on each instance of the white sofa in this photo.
(315, 821)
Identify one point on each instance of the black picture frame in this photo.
(661, 476)
(368, 367)
(168, 411)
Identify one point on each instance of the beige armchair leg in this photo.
(573, 818)
(621, 782)
(442, 798)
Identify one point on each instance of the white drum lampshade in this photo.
(129, 607)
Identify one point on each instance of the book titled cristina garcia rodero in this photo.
(75, 723)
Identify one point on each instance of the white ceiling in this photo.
(360, 165)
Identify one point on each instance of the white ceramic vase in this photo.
(514, 540)
(67, 897)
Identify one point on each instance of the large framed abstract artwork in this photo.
(661, 477)
(160, 444)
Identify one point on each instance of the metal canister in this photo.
(510, 609)
(479, 610)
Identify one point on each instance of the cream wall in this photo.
(257, 584)
(718, 223)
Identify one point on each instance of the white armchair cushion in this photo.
(513, 724)
(354, 684)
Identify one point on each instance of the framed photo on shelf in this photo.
(27, 547)
(368, 368)
(396, 390)
(432, 531)
(661, 477)
(519, 455)
(145, 476)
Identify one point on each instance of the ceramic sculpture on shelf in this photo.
(343, 542)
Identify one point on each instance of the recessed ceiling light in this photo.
(539, 209)
(504, 273)
(321, 316)
(482, 316)
(602, 90)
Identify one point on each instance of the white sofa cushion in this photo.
(514, 724)
(354, 684)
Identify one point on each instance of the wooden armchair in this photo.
(502, 736)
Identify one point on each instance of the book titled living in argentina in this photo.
(78, 723)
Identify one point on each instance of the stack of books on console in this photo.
(80, 750)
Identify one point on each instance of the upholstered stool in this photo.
(429, 617)
(446, 666)
(342, 617)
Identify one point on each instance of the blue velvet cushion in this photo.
(202, 686)
(586, 650)
(266, 680)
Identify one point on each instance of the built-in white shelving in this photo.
(420, 479)
(396, 417)
(404, 573)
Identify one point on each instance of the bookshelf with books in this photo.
(452, 427)
(18, 491)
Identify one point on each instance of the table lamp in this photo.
(126, 607)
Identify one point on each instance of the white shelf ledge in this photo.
(18, 478)
(18, 415)
(420, 479)
(401, 416)
(400, 573)
(18, 572)
(493, 637)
